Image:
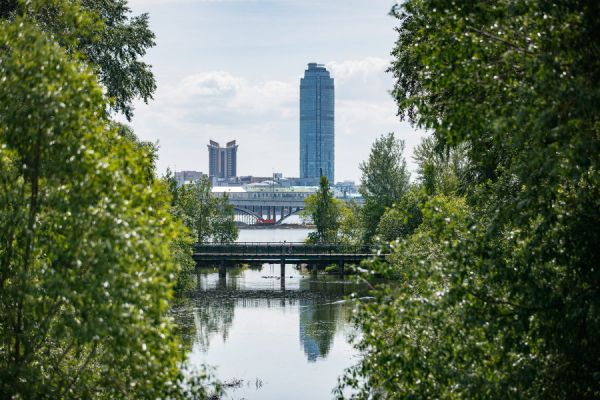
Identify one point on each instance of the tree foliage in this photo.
(209, 217)
(223, 223)
(325, 212)
(85, 263)
(384, 180)
(442, 169)
(148, 149)
(105, 35)
(404, 217)
(502, 302)
(411, 327)
(351, 228)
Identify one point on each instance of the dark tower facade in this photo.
(222, 161)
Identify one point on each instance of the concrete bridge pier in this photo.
(222, 282)
(222, 270)
(282, 275)
(314, 268)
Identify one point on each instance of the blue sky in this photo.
(230, 69)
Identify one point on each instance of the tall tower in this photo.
(231, 151)
(222, 161)
(317, 150)
(213, 159)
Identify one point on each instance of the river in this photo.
(265, 341)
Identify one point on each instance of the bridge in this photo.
(272, 206)
(316, 255)
(256, 207)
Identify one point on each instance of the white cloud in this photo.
(214, 83)
(361, 80)
(364, 69)
(210, 93)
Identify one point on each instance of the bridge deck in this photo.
(283, 252)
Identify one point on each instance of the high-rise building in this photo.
(222, 161)
(317, 150)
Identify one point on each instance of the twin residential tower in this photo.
(317, 146)
(222, 161)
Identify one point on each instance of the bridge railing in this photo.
(282, 248)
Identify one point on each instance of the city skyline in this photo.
(231, 69)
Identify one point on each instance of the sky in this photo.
(230, 70)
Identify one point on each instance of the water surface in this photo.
(274, 342)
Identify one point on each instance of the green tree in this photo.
(223, 222)
(210, 218)
(442, 169)
(384, 180)
(324, 210)
(404, 217)
(414, 327)
(110, 40)
(351, 230)
(182, 247)
(85, 261)
(206, 217)
(513, 298)
(149, 149)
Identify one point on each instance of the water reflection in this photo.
(319, 321)
(212, 318)
(318, 300)
(255, 327)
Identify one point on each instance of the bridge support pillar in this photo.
(282, 275)
(222, 282)
(222, 270)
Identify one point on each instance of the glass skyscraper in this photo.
(317, 150)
